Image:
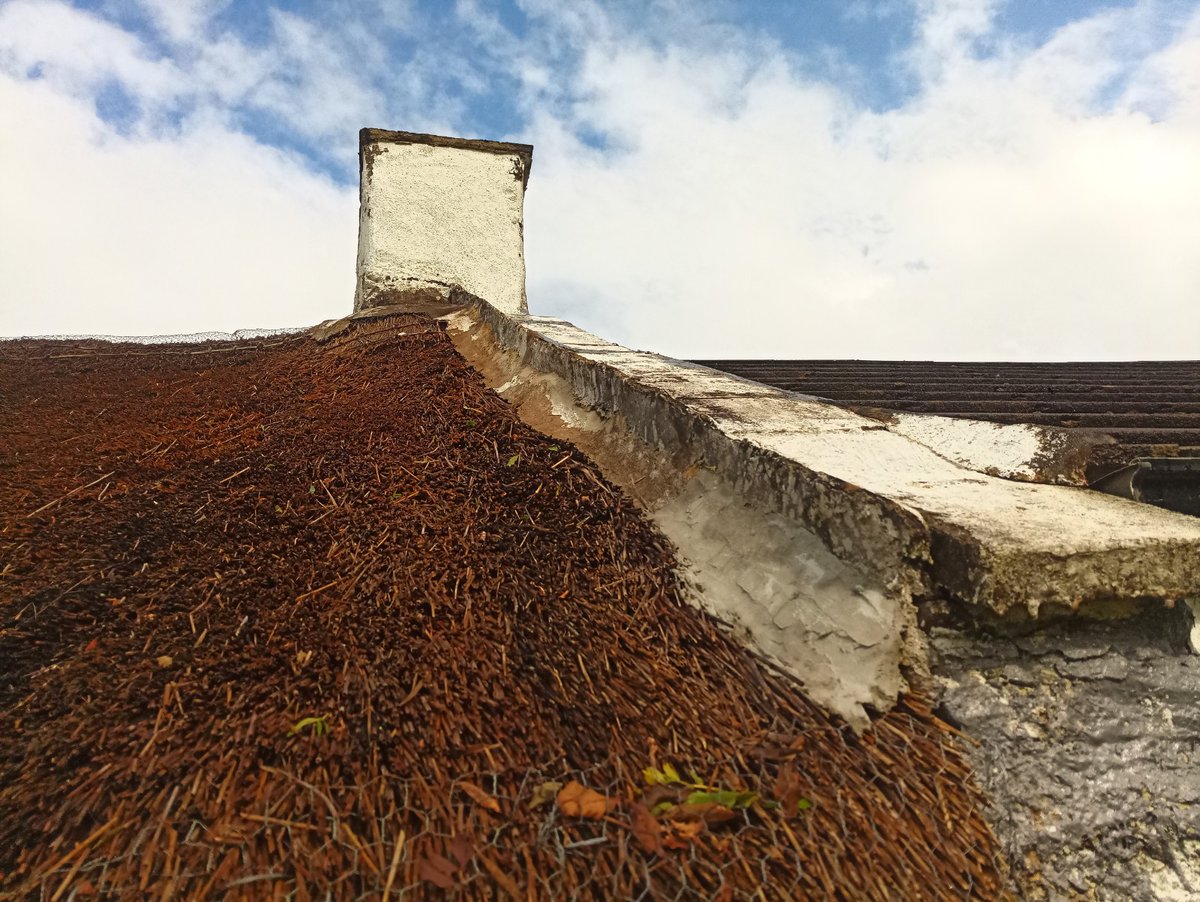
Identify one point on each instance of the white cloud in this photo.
(79, 52)
(997, 214)
(182, 21)
(210, 231)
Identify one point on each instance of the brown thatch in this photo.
(281, 618)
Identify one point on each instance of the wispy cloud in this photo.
(78, 52)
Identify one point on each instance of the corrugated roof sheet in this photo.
(1143, 405)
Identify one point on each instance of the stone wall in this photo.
(1088, 735)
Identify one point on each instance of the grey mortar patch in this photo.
(1088, 736)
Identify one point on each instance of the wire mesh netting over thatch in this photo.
(281, 618)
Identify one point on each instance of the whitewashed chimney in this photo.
(435, 213)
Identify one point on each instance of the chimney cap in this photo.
(368, 136)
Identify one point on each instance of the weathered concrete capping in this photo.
(878, 499)
(438, 212)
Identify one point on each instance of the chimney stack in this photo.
(437, 213)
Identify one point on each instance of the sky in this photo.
(908, 179)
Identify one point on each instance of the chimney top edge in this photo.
(384, 136)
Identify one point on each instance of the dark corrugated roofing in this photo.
(1144, 405)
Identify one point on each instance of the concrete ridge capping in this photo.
(826, 527)
(880, 500)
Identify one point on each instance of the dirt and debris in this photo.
(280, 618)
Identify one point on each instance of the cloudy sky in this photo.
(946, 179)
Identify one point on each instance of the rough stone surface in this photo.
(1089, 736)
(435, 214)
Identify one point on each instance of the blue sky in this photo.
(903, 178)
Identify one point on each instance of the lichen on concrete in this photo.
(1021, 451)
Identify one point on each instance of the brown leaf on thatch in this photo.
(656, 795)
(461, 849)
(576, 800)
(646, 829)
(683, 833)
(480, 796)
(789, 791)
(706, 812)
(435, 864)
(437, 870)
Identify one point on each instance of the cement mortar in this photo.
(763, 573)
(887, 504)
(1088, 733)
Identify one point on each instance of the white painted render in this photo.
(768, 577)
(998, 449)
(435, 217)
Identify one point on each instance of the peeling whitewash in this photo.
(1020, 451)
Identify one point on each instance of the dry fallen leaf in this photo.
(461, 849)
(704, 812)
(482, 799)
(682, 834)
(437, 870)
(543, 793)
(646, 829)
(576, 800)
(789, 791)
(666, 796)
